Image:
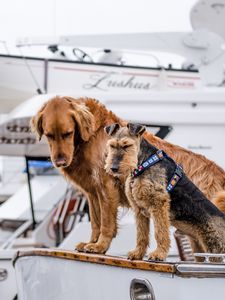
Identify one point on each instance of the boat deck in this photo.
(100, 259)
(180, 268)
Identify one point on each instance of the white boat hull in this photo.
(60, 278)
(8, 287)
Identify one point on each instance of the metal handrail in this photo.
(208, 256)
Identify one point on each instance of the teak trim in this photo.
(114, 261)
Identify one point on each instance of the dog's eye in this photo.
(66, 135)
(112, 146)
(50, 136)
(126, 146)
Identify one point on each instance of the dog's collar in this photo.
(154, 159)
(151, 161)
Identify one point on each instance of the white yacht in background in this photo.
(186, 106)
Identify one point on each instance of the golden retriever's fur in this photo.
(75, 132)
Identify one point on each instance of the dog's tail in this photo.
(219, 201)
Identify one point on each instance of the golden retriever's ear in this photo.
(136, 129)
(36, 123)
(84, 119)
(112, 129)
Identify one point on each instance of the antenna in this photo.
(39, 91)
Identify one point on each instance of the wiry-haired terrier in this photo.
(157, 188)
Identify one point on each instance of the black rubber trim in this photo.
(96, 64)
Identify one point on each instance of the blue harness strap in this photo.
(175, 178)
(154, 159)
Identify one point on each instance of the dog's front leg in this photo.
(95, 216)
(142, 224)
(108, 208)
(160, 214)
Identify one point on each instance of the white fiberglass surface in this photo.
(46, 191)
(8, 288)
(122, 243)
(61, 279)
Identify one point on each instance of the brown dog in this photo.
(156, 187)
(77, 141)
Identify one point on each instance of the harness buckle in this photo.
(179, 170)
(175, 178)
(160, 154)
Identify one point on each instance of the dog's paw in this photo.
(157, 255)
(135, 255)
(80, 247)
(95, 248)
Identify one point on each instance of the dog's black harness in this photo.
(154, 159)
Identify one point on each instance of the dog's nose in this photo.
(114, 169)
(60, 162)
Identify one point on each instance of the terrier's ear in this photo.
(112, 129)
(136, 129)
